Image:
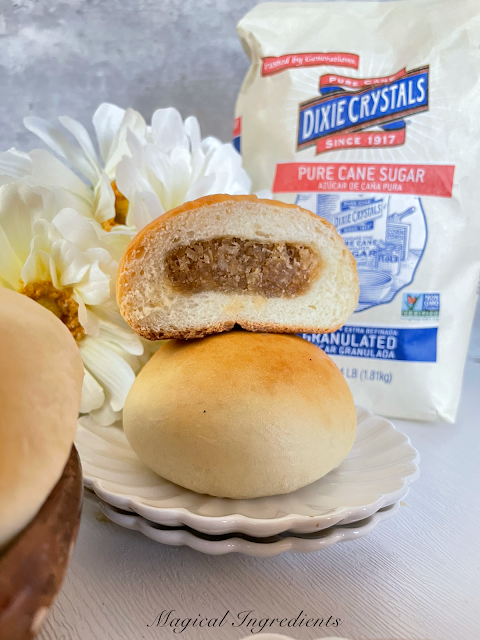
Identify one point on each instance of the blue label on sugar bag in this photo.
(381, 343)
(340, 110)
(386, 234)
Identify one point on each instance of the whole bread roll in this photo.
(240, 415)
(41, 373)
(223, 260)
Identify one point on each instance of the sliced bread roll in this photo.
(224, 260)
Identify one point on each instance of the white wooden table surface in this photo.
(415, 577)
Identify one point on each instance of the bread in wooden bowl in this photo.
(40, 388)
(33, 566)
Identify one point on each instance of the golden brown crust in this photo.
(254, 327)
(191, 334)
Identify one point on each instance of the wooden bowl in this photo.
(34, 566)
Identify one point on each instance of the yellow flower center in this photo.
(121, 209)
(59, 302)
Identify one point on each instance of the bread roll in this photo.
(240, 415)
(221, 260)
(40, 386)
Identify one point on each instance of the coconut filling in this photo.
(233, 265)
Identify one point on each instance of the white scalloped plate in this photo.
(376, 473)
(240, 543)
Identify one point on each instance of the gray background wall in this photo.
(64, 57)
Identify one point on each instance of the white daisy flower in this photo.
(58, 259)
(141, 171)
(94, 194)
(172, 165)
(65, 220)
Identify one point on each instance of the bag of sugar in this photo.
(368, 114)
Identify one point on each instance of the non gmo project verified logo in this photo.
(418, 305)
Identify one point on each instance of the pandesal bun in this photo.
(224, 260)
(240, 415)
(40, 386)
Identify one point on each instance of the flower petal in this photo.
(15, 164)
(80, 134)
(51, 171)
(145, 208)
(105, 200)
(53, 272)
(4, 179)
(204, 186)
(198, 163)
(106, 122)
(133, 121)
(104, 259)
(87, 318)
(159, 172)
(113, 373)
(136, 144)
(173, 172)
(220, 182)
(167, 130)
(37, 266)
(180, 160)
(76, 229)
(72, 265)
(228, 161)
(130, 179)
(47, 232)
(20, 206)
(210, 145)
(144, 204)
(225, 158)
(133, 361)
(114, 328)
(56, 198)
(118, 239)
(192, 129)
(242, 185)
(61, 145)
(93, 395)
(106, 416)
(95, 287)
(10, 264)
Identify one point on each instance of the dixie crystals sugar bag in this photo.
(368, 114)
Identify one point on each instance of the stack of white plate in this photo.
(344, 505)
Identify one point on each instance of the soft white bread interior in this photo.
(156, 307)
(240, 414)
(41, 373)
